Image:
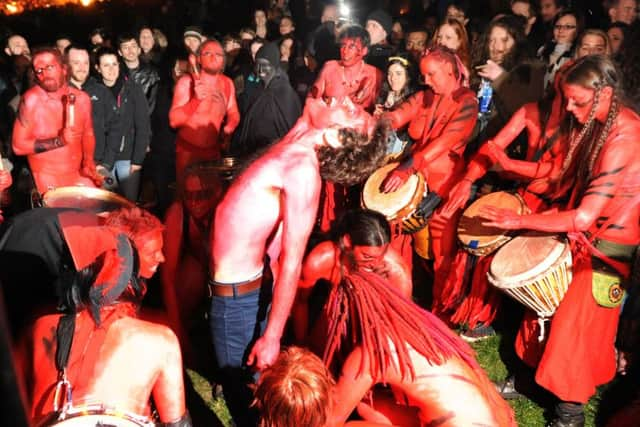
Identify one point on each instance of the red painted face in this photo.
(198, 200)
(438, 74)
(351, 51)
(368, 257)
(149, 246)
(579, 101)
(211, 58)
(49, 73)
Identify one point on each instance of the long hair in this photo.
(366, 311)
(463, 50)
(630, 66)
(410, 86)
(591, 72)
(296, 391)
(514, 26)
(358, 156)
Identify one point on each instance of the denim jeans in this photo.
(128, 183)
(236, 323)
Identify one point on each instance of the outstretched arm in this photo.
(300, 200)
(483, 160)
(600, 191)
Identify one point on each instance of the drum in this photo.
(224, 169)
(87, 198)
(97, 416)
(400, 204)
(478, 239)
(534, 269)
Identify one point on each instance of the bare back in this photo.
(132, 360)
(451, 393)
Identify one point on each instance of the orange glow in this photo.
(19, 6)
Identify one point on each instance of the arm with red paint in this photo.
(318, 88)
(451, 140)
(233, 114)
(489, 154)
(183, 105)
(83, 107)
(352, 386)
(300, 198)
(616, 158)
(27, 126)
(318, 265)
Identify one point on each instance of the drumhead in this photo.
(391, 204)
(96, 421)
(472, 233)
(86, 198)
(525, 257)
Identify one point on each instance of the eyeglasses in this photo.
(564, 27)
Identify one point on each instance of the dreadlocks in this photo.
(365, 310)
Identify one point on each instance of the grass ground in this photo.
(529, 413)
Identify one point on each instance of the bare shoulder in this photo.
(31, 97)
(150, 332)
(320, 260)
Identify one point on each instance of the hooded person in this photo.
(274, 111)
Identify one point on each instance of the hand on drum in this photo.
(90, 171)
(396, 178)
(458, 197)
(500, 218)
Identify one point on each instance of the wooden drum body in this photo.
(478, 239)
(398, 205)
(534, 269)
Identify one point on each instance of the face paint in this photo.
(212, 58)
(351, 51)
(265, 71)
(438, 75)
(49, 72)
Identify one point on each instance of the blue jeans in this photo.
(128, 183)
(236, 323)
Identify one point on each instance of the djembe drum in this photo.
(534, 269)
(398, 205)
(481, 240)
